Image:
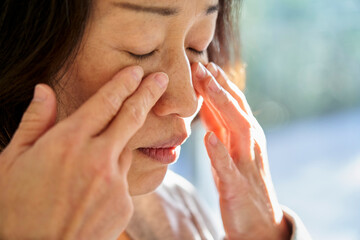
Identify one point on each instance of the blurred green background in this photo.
(303, 57)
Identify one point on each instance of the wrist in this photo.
(280, 231)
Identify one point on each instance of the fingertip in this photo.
(206, 137)
(137, 72)
(213, 140)
(212, 143)
(199, 70)
(43, 93)
(213, 69)
(39, 116)
(199, 74)
(220, 159)
(40, 93)
(194, 66)
(162, 79)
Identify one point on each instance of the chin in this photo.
(146, 182)
(145, 175)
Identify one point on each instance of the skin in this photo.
(104, 114)
(173, 38)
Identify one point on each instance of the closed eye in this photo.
(197, 52)
(140, 57)
(143, 56)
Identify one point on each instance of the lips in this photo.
(165, 152)
(162, 155)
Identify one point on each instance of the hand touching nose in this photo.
(69, 180)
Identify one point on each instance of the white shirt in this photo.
(174, 211)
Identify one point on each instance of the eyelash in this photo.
(142, 57)
(148, 55)
(200, 53)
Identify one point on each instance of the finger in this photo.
(210, 117)
(229, 86)
(97, 112)
(227, 177)
(213, 122)
(38, 118)
(124, 162)
(134, 111)
(222, 102)
(237, 122)
(216, 177)
(261, 159)
(220, 158)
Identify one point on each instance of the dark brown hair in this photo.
(40, 37)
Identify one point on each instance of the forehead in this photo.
(160, 7)
(168, 2)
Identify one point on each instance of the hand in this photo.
(237, 148)
(69, 180)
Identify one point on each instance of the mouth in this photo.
(162, 155)
(165, 152)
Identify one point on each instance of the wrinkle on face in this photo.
(114, 32)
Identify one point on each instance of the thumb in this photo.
(38, 118)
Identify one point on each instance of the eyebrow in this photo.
(163, 11)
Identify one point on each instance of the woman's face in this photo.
(170, 34)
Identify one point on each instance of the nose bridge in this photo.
(180, 97)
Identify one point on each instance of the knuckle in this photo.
(246, 123)
(135, 112)
(224, 156)
(244, 128)
(106, 175)
(103, 169)
(72, 125)
(239, 92)
(225, 99)
(111, 101)
(151, 94)
(30, 118)
(100, 161)
(244, 186)
(65, 145)
(128, 85)
(69, 139)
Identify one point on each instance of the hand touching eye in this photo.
(237, 149)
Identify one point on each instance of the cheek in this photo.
(92, 68)
(96, 67)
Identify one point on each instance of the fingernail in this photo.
(40, 94)
(213, 69)
(200, 71)
(213, 86)
(138, 73)
(161, 79)
(213, 139)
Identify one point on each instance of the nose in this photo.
(180, 97)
